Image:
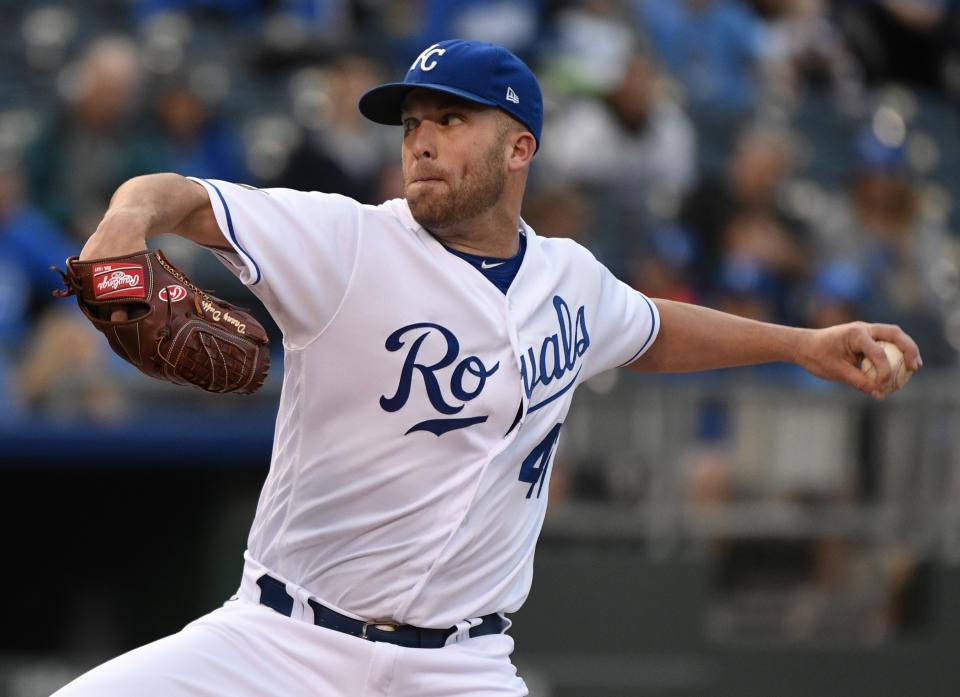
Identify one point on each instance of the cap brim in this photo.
(382, 104)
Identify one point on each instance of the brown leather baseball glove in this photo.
(173, 331)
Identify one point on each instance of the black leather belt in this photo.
(273, 594)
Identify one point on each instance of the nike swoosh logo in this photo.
(484, 265)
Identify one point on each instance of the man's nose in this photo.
(424, 140)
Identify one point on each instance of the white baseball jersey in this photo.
(421, 407)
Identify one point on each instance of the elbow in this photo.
(143, 182)
(652, 361)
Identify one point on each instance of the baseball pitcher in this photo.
(432, 346)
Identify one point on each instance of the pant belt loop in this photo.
(462, 630)
(301, 610)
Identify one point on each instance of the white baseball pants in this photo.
(245, 649)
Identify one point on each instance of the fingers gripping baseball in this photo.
(866, 348)
(855, 354)
(893, 334)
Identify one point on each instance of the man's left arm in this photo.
(693, 338)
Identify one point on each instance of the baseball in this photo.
(901, 374)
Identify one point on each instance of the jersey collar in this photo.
(401, 210)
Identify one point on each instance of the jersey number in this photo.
(534, 467)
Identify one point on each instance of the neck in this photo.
(485, 235)
(492, 233)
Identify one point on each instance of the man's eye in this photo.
(409, 125)
(451, 119)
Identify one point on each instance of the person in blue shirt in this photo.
(29, 245)
(713, 47)
(192, 138)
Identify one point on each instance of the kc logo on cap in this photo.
(425, 56)
(479, 72)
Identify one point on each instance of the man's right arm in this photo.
(285, 245)
(151, 205)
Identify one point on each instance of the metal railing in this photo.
(680, 460)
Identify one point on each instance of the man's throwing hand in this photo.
(835, 353)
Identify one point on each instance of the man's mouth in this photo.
(426, 175)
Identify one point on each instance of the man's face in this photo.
(453, 156)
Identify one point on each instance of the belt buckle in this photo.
(382, 625)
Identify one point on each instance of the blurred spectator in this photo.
(305, 28)
(714, 47)
(741, 226)
(411, 26)
(912, 41)
(512, 23)
(92, 145)
(193, 140)
(614, 133)
(29, 245)
(837, 295)
(77, 384)
(807, 51)
(560, 212)
(587, 49)
(241, 10)
(745, 288)
(661, 268)
(878, 226)
(342, 152)
(631, 141)
(321, 13)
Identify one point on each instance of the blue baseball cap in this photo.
(479, 72)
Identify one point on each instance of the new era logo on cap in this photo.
(480, 72)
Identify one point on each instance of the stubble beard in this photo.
(480, 188)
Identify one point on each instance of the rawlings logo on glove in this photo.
(118, 281)
(173, 331)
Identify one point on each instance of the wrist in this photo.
(797, 345)
(120, 232)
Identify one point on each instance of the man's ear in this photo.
(522, 147)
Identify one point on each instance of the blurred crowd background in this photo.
(789, 160)
(796, 161)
